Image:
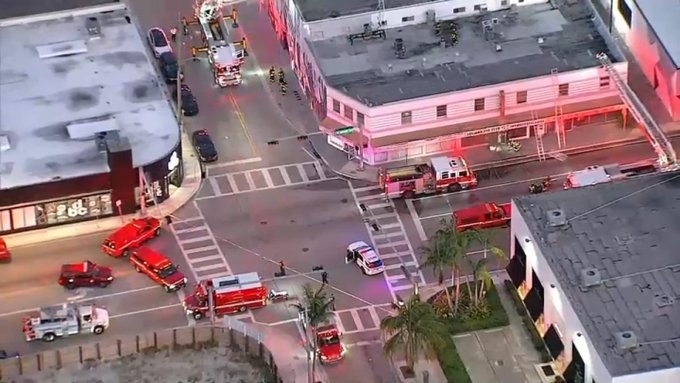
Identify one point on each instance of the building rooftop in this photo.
(628, 231)
(662, 17)
(370, 71)
(59, 86)
(13, 8)
(314, 10)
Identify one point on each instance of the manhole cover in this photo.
(305, 249)
(344, 200)
(263, 222)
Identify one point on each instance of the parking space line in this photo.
(198, 249)
(203, 259)
(303, 174)
(357, 320)
(197, 239)
(284, 175)
(367, 188)
(232, 183)
(416, 220)
(267, 178)
(249, 179)
(319, 170)
(215, 186)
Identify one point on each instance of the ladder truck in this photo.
(225, 57)
(662, 146)
(51, 322)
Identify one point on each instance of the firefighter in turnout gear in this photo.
(272, 74)
(173, 34)
(284, 87)
(282, 76)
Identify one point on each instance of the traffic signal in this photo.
(344, 131)
(273, 142)
(302, 138)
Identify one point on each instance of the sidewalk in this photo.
(183, 194)
(289, 354)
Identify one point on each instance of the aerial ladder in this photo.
(662, 146)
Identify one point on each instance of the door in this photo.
(360, 260)
(349, 257)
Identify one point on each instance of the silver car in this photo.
(158, 41)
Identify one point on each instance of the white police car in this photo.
(365, 257)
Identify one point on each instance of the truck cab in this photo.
(228, 295)
(328, 345)
(157, 267)
(122, 241)
(483, 216)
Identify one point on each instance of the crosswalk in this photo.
(266, 178)
(390, 240)
(361, 319)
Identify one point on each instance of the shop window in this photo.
(349, 113)
(563, 90)
(522, 97)
(479, 104)
(459, 10)
(407, 19)
(604, 82)
(24, 217)
(473, 141)
(360, 119)
(480, 7)
(441, 111)
(517, 133)
(504, 3)
(336, 106)
(5, 221)
(405, 118)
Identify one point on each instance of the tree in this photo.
(439, 256)
(480, 271)
(415, 328)
(316, 307)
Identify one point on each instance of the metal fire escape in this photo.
(662, 146)
(539, 130)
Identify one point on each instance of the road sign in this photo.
(344, 131)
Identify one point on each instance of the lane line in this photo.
(242, 120)
(416, 220)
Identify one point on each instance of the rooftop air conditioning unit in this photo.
(626, 340)
(94, 29)
(556, 218)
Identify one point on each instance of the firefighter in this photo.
(324, 278)
(282, 268)
(173, 34)
(282, 76)
(283, 87)
(272, 74)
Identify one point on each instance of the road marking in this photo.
(206, 258)
(338, 323)
(205, 268)
(84, 300)
(357, 320)
(145, 310)
(232, 183)
(398, 254)
(389, 226)
(403, 287)
(233, 163)
(392, 244)
(311, 182)
(374, 316)
(396, 277)
(250, 181)
(319, 170)
(390, 235)
(363, 343)
(213, 183)
(398, 265)
(416, 220)
(371, 197)
(241, 118)
(382, 216)
(434, 216)
(267, 178)
(379, 205)
(367, 188)
(197, 249)
(284, 175)
(197, 239)
(282, 322)
(181, 296)
(303, 174)
(216, 275)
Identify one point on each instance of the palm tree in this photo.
(415, 328)
(438, 256)
(316, 307)
(459, 243)
(481, 274)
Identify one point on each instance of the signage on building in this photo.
(73, 209)
(174, 162)
(480, 132)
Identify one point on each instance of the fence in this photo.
(89, 354)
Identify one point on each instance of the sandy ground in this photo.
(213, 365)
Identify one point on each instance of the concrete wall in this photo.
(77, 356)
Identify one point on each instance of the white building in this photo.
(598, 270)
(514, 69)
(651, 31)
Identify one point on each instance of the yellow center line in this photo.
(239, 115)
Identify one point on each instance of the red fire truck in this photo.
(440, 174)
(328, 345)
(230, 294)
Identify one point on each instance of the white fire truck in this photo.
(440, 174)
(64, 320)
(593, 175)
(225, 57)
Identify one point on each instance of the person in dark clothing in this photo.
(272, 74)
(173, 34)
(332, 302)
(282, 267)
(324, 278)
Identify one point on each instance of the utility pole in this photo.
(178, 48)
(361, 145)
(142, 198)
(211, 306)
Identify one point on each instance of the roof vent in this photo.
(664, 300)
(626, 340)
(590, 277)
(94, 29)
(399, 49)
(556, 218)
(4, 143)
(61, 49)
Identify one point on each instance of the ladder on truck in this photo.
(662, 146)
(539, 130)
(559, 124)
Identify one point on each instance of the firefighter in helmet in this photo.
(284, 87)
(282, 76)
(272, 74)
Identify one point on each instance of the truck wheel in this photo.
(48, 337)
(70, 286)
(126, 253)
(198, 316)
(167, 289)
(157, 232)
(455, 187)
(408, 194)
(242, 309)
(98, 330)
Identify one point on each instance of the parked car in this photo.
(5, 255)
(131, 236)
(158, 41)
(169, 67)
(484, 216)
(157, 267)
(85, 274)
(204, 146)
(189, 103)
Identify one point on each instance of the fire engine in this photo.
(328, 345)
(440, 174)
(64, 320)
(225, 57)
(593, 175)
(226, 295)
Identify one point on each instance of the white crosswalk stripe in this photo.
(361, 319)
(266, 178)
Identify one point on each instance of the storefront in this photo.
(162, 178)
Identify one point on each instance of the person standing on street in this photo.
(282, 267)
(173, 34)
(332, 302)
(324, 278)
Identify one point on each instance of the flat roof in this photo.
(370, 72)
(314, 10)
(662, 17)
(627, 230)
(52, 105)
(14, 8)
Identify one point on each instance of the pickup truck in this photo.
(484, 216)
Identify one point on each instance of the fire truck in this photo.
(439, 174)
(328, 346)
(226, 295)
(593, 175)
(225, 57)
(64, 320)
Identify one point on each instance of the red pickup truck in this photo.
(131, 236)
(483, 216)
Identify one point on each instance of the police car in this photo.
(365, 257)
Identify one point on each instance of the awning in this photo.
(328, 125)
(516, 270)
(553, 342)
(534, 303)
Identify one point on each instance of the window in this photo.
(479, 104)
(504, 3)
(336, 106)
(407, 19)
(564, 90)
(405, 118)
(522, 97)
(360, 119)
(445, 175)
(5, 221)
(349, 112)
(480, 7)
(604, 82)
(441, 111)
(459, 10)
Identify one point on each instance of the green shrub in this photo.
(450, 362)
(490, 315)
